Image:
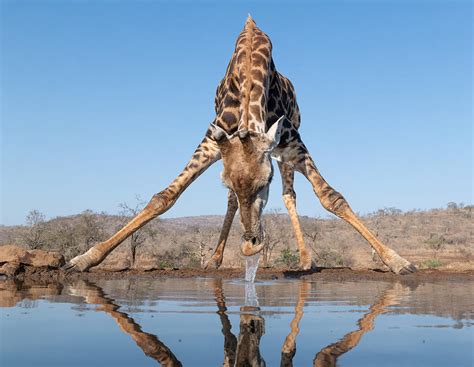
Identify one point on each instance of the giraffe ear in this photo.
(274, 132)
(221, 137)
(218, 134)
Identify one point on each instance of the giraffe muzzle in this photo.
(251, 244)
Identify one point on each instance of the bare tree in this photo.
(34, 237)
(312, 232)
(202, 237)
(452, 205)
(62, 236)
(436, 242)
(139, 237)
(272, 234)
(90, 229)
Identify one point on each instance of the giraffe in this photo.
(257, 120)
(241, 350)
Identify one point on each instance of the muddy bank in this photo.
(335, 274)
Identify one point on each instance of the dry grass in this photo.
(437, 238)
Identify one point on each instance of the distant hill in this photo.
(437, 238)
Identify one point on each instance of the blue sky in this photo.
(105, 100)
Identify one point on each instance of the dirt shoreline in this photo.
(32, 274)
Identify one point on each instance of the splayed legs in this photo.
(205, 155)
(297, 155)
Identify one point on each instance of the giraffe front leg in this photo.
(232, 206)
(205, 155)
(334, 202)
(289, 198)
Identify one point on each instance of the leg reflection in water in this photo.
(244, 351)
(230, 341)
(149, 343)
(328, 356)
(288, 350)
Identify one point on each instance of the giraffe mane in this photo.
(250, 29)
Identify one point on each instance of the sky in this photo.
(102, 101)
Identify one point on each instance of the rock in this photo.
(45, 258)
(145, 262)
(10, 269)
(36, 258)
(116, 261)
(11, 253)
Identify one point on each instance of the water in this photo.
(206, 322)
(251, 267)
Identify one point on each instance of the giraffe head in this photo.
(248, 172)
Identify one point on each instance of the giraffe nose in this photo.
(251, 237)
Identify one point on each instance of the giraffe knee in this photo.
(159, 202)
(334, 202)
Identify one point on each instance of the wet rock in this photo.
(36, 258)
(10, 269)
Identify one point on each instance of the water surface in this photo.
(212, 322)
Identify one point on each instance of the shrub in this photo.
(165, 264)
(432, 263)
(327, 257)
(435, 241)
(289, 258)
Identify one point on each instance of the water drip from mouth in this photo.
(251, 267)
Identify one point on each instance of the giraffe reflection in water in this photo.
(244, 350)
(149, 343)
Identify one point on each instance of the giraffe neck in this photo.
(241, 99)
(254, 72)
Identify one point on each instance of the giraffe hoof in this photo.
(213, 264)
(306, 267)
(80, 263)
(409, 269)
(398, 264)
(74, 267)
(306, 262)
